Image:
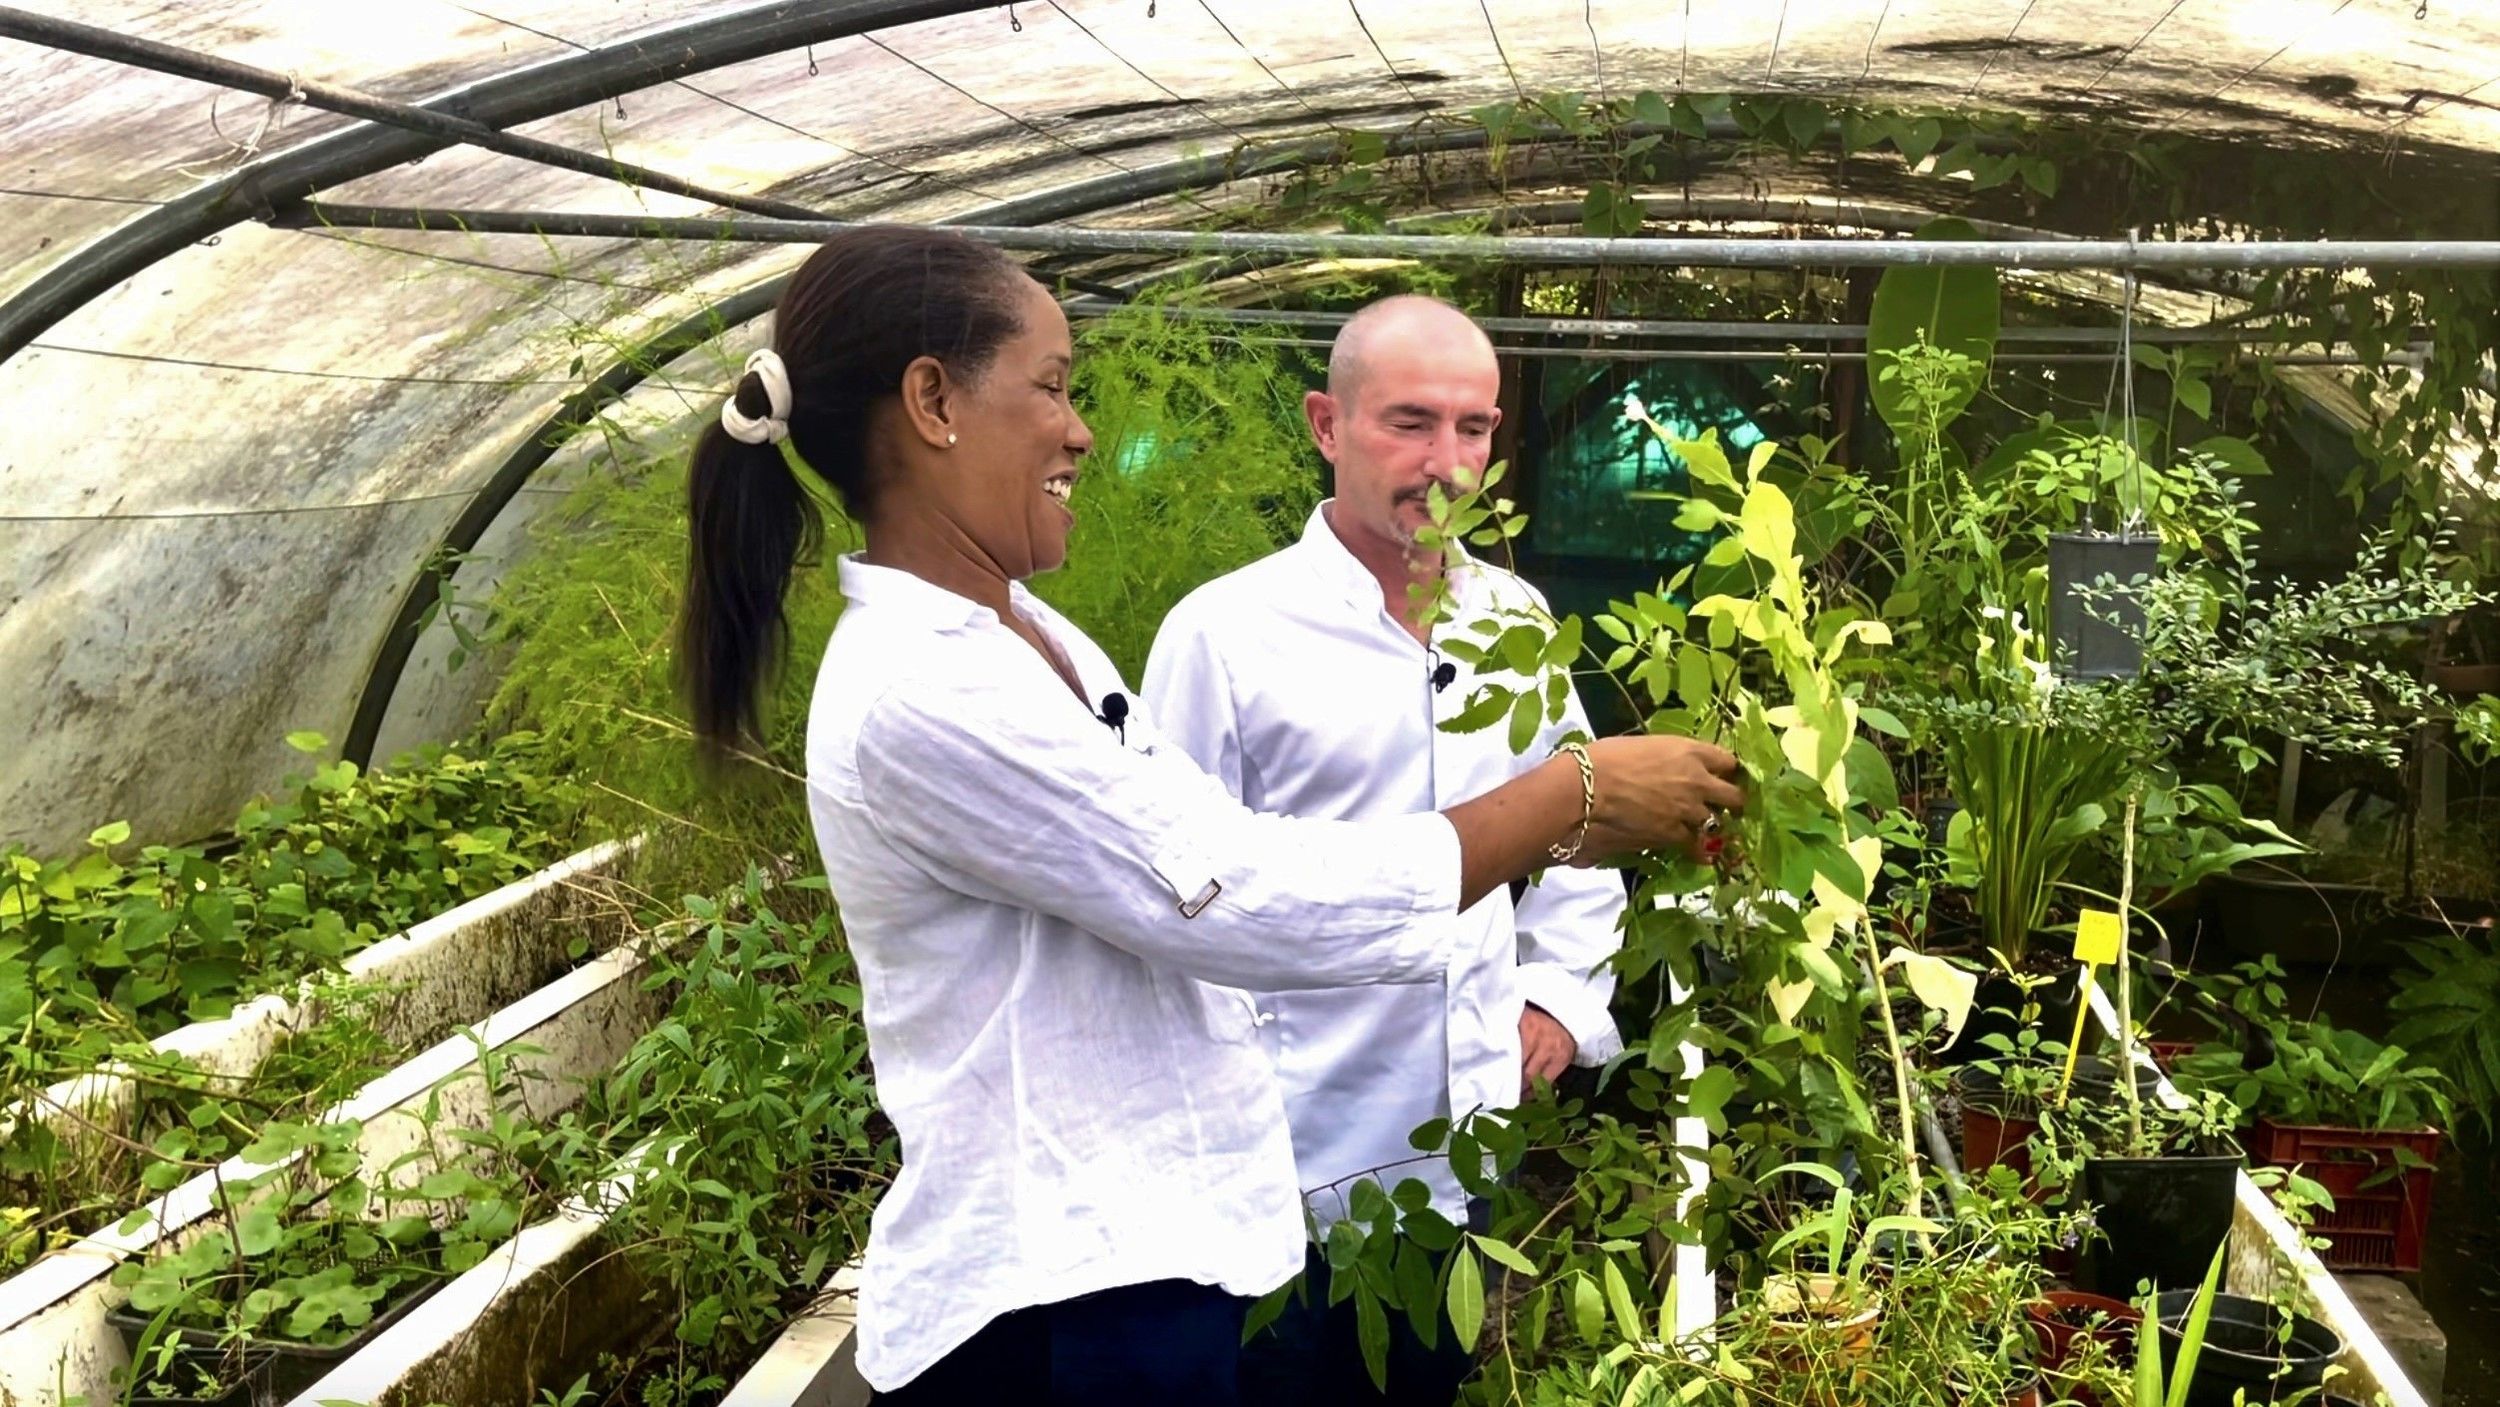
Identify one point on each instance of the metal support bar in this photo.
(100, 43)
(1816, 356)
(1782, 332)
(655, 56)
(1732, 253)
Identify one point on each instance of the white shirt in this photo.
(1076, 1111)
(1290, 681)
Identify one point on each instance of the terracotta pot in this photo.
(1817, 1328)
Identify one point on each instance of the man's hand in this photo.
(1545, 1049)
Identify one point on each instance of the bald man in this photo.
(1309, 682)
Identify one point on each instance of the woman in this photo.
(1096, 1171)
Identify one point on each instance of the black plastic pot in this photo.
(1995, 1011)
(2160, 1219)
(2243, 1352)
(2096, 1081)
(2103, 639)
(281, 1369)
(251, 1389)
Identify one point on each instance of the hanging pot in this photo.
(2101, 639)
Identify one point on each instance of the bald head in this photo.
(1414, 395)
(1403, 328)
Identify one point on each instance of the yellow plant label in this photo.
(2096, 937)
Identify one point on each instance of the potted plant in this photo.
(2161, 1179)
(301, 1265)
(2361, 1119)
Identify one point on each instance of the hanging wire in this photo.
(2007, 43)
(2253, 69)
(68, 195)
(1365, 26)
(210, 364)
(2126, 360)
(811, 61)
(1485, 8)
(1026, 123)
(742, 109)
(282, 511)
(1597, 55)
(1105, 45)
(1273, 76)
(1684, 66)
(488, 265)
(1779, 32)
(1014, 25)
(1872, 35)
(2129, 52)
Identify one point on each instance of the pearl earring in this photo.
(950, 437)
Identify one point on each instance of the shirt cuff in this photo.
(1566, 996)
(1429, 843)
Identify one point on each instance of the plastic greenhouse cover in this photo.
(221, 476)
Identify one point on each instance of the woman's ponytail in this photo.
(751, 522)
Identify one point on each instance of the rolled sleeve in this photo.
(1572, 999)
(1027, 801)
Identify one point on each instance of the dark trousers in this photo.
(1312, 1356)
(1165, 1341)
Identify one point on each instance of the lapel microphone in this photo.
(1114, 715)
(1442, 674)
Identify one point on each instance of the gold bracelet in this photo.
(1588, 801)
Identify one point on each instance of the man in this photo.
(1310, 683)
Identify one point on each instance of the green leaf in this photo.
(1708, 1094)
(1619, 1299)
(306, 741)
(2193, 394)
(258, 1231)
(1526, 716)
(1805, 120)
(701, 1321)
(1466, 1293)
(1917, 138)
(105, 837)
(1588, 1310)
(1503, 1252)
(1371, 1330)
(1955, 309)
(2238, 458)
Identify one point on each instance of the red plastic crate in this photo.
(2379, 1227)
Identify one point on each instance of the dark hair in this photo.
(863, 307)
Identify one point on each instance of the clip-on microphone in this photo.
(1115, 715)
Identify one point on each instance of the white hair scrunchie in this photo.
(771, 429)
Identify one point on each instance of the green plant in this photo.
(95, 950)
(757, 1150)
(2308, 1071)
(2447, 1011)
(2150, 1385)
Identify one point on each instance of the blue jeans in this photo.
(1170, 1341)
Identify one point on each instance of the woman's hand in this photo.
(1656, 791)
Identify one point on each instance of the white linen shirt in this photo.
(1076, 1110)
(1290, 681)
